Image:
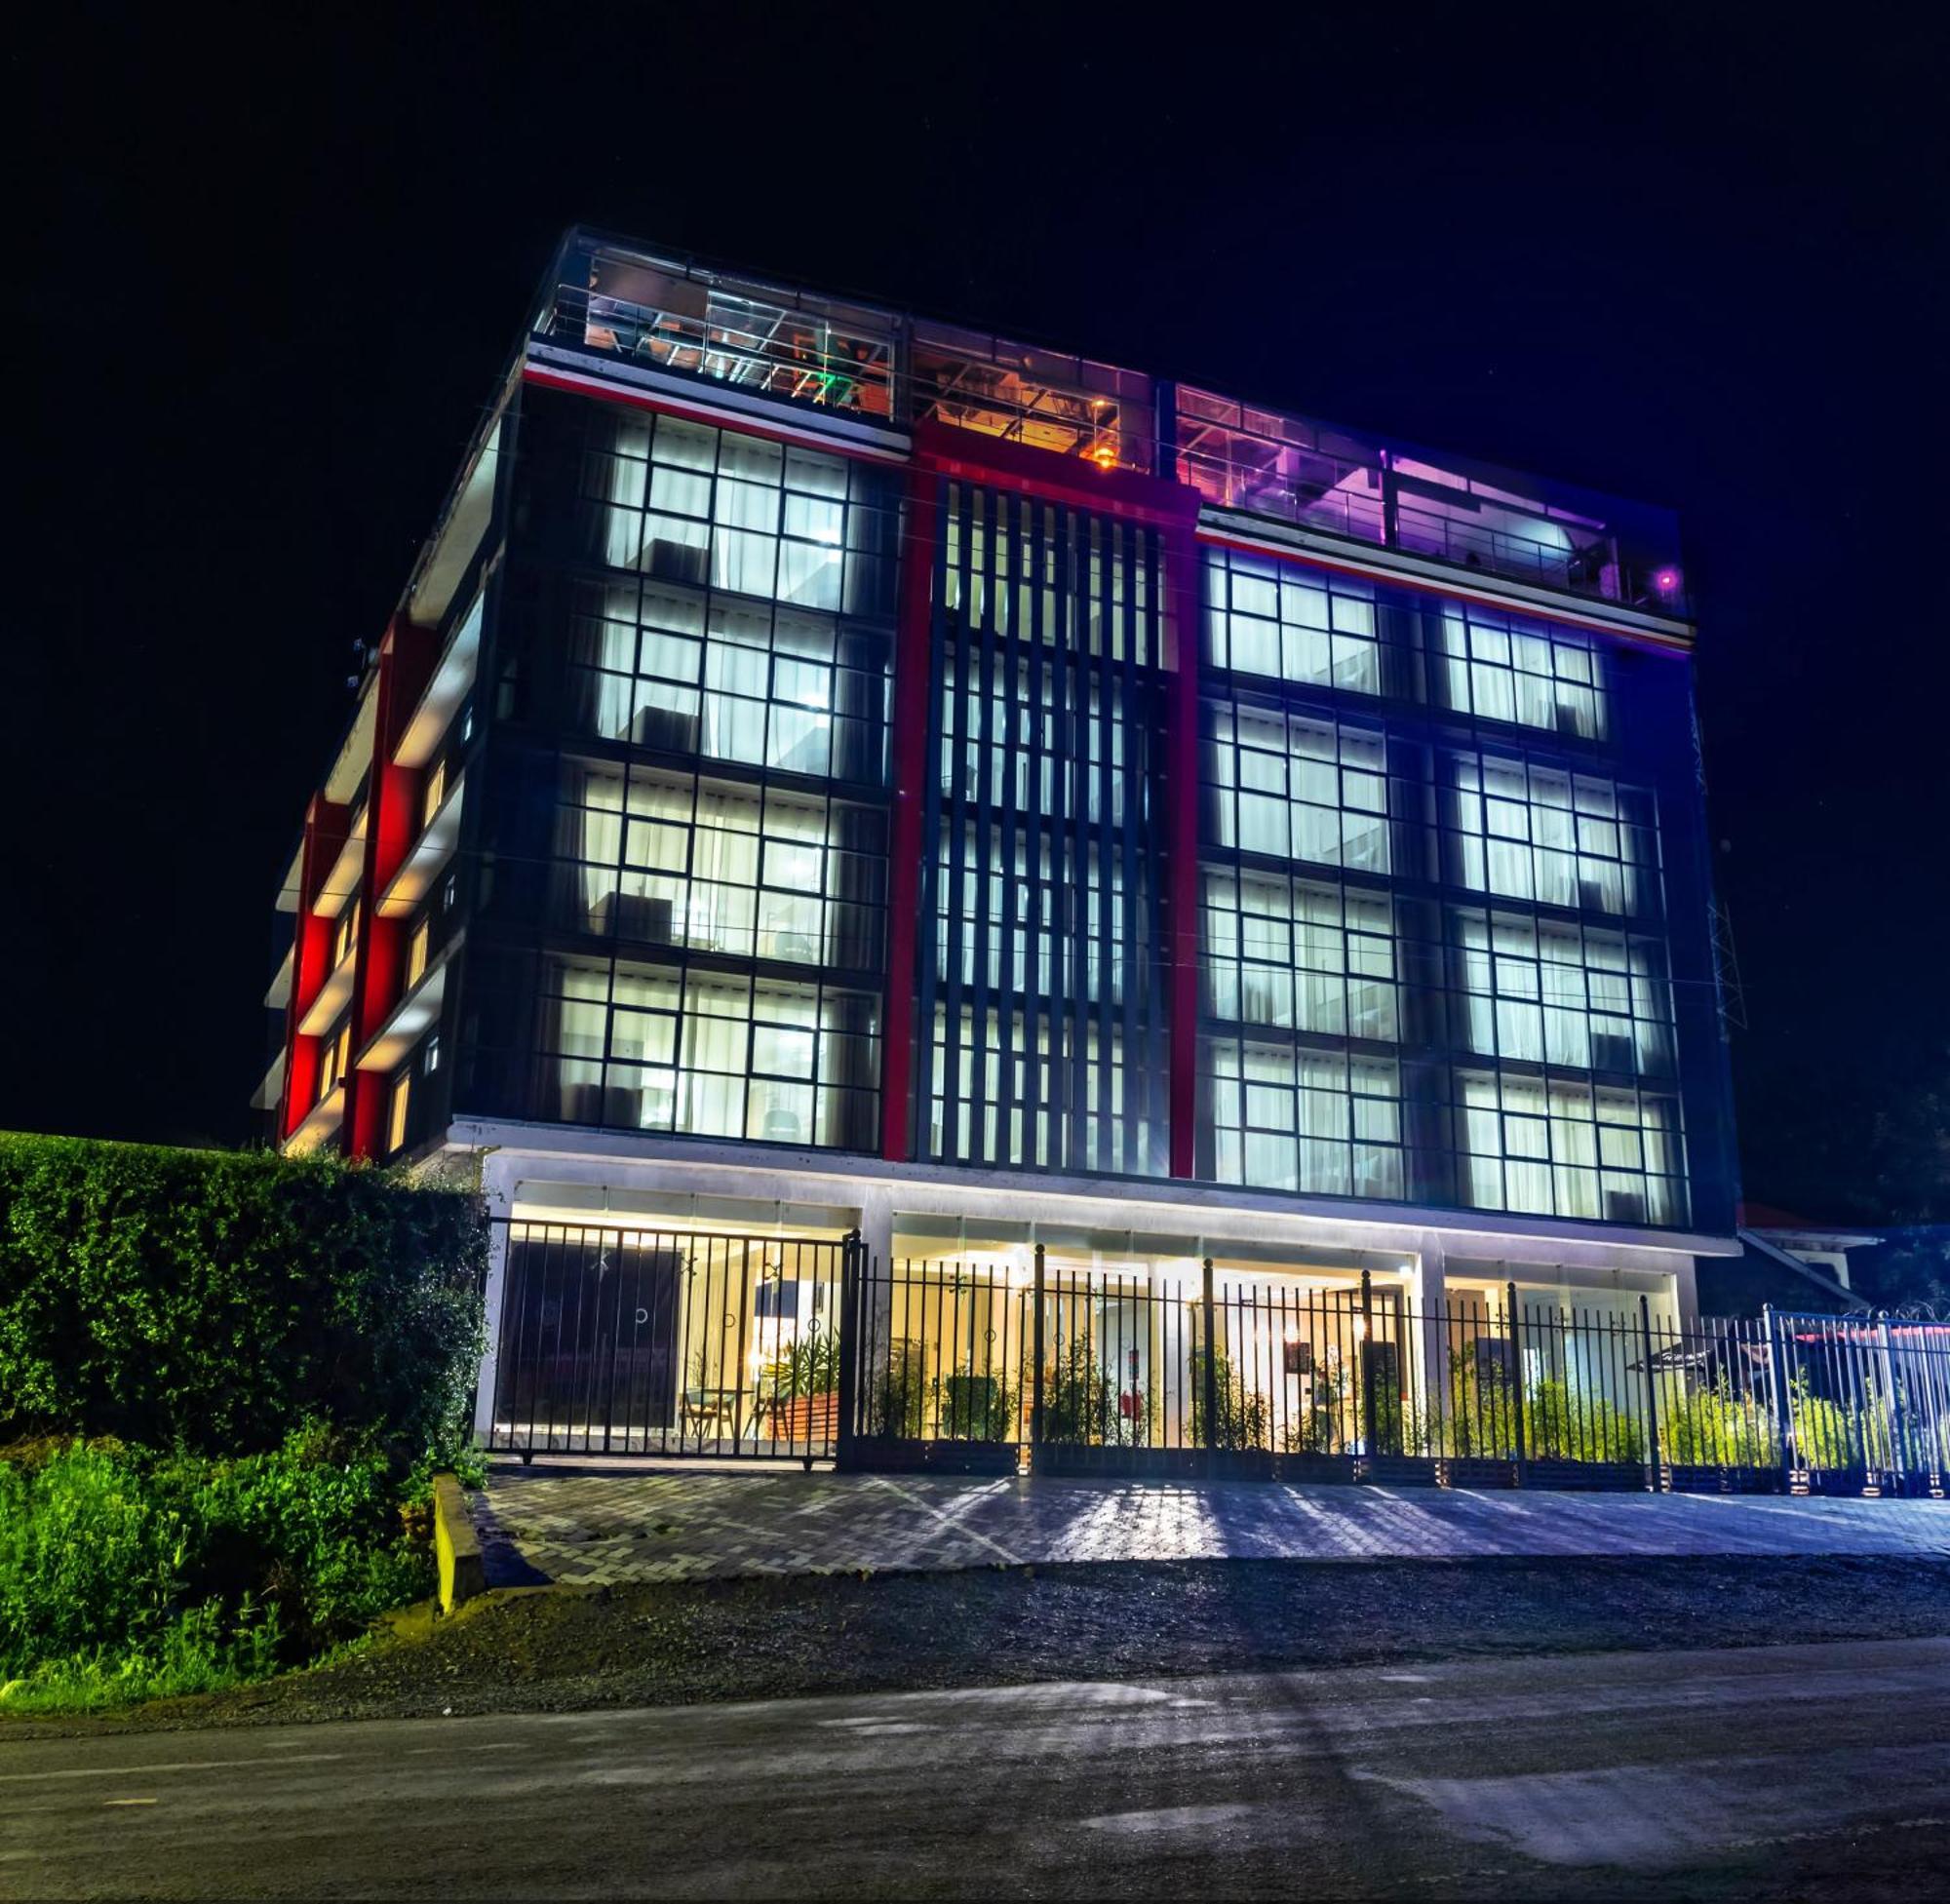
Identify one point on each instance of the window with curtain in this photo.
(1553, 992)
(683, 672)
(745, 871)
(1532, 674)
(712, 1054)
(1294, 787)
(1270, 617)
(1526, 831)
(1566, 1148)
(1297, 953)
(1291, 1118)
(714, 508)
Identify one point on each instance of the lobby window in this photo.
(1524, 830)
(1268, 618)
(1296, 787)
(1287, 1117)
(1502, 667)
(671, 859)
(715, 508)
(1565, 1148)
(1299, 955)
(1551, 992)
(711, 1055)
(684, 673)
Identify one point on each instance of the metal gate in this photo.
(660, 1341)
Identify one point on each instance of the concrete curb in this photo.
(463, 1574)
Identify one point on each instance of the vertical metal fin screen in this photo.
(1042, 1011)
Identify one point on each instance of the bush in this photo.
(125, 1574)
(1561, 1424)
(208, 1300)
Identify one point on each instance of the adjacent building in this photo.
(831, 769)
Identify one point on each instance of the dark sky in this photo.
(270, 274)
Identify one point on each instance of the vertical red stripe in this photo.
(1182, 599)
(911, 666)
(393, 824)
(325, 829)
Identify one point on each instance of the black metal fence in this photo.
(991, 1368)
(658, 1342)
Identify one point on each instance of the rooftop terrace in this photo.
(612, 300)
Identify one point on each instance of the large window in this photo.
(1018, 929)
(1299, 955)
(1529, 832)
(756, 872)
(1551, 992)
(1502, 667)
(1565, 1148)
(1298, 788)
(1267, 617)
(1293, 1119)
(672, 669)
(712, 1054)
(693, 504)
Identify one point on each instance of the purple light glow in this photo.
(1666, 580)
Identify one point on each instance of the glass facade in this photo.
(1044, 1041)
(1446, 880)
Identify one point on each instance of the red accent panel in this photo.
(393, 824)
(325, 826)
(703, 412)
(1427, 585)
(912, 687)
(971, 456)
(1185, 624)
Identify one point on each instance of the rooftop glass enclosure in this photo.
(884, 365)
(763, 337)
(1269, 462)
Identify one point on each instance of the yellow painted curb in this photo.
(463, 1574)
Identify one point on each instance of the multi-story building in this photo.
(833, 769)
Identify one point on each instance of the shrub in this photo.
(1241, 1415)
(209, 1299)
(1709, 1428)
(1561, 1424)
(125, 1574)
(978, 1408)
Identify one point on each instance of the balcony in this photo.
(321, 1123)
(333, 996)
(430, 853)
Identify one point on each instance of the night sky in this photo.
(270, 275)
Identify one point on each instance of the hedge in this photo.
(212, 1300)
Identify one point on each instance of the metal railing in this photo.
(993, 1367)
(659, 1342)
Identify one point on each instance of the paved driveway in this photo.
(677, 1524)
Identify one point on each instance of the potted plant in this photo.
(804, 1388)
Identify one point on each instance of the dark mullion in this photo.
(930, 932)
(1104, 668)
(984, 658)
(955, 725)
(1076, 584)
(1061, 996)
(1006, 689)
(1034, 1103)
(1137, 945)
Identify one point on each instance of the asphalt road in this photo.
(1772, 1771)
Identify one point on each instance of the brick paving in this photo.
(625, 1527)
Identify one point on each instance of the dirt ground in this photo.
(558, 1650)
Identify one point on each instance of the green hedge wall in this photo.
(212, 1300)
